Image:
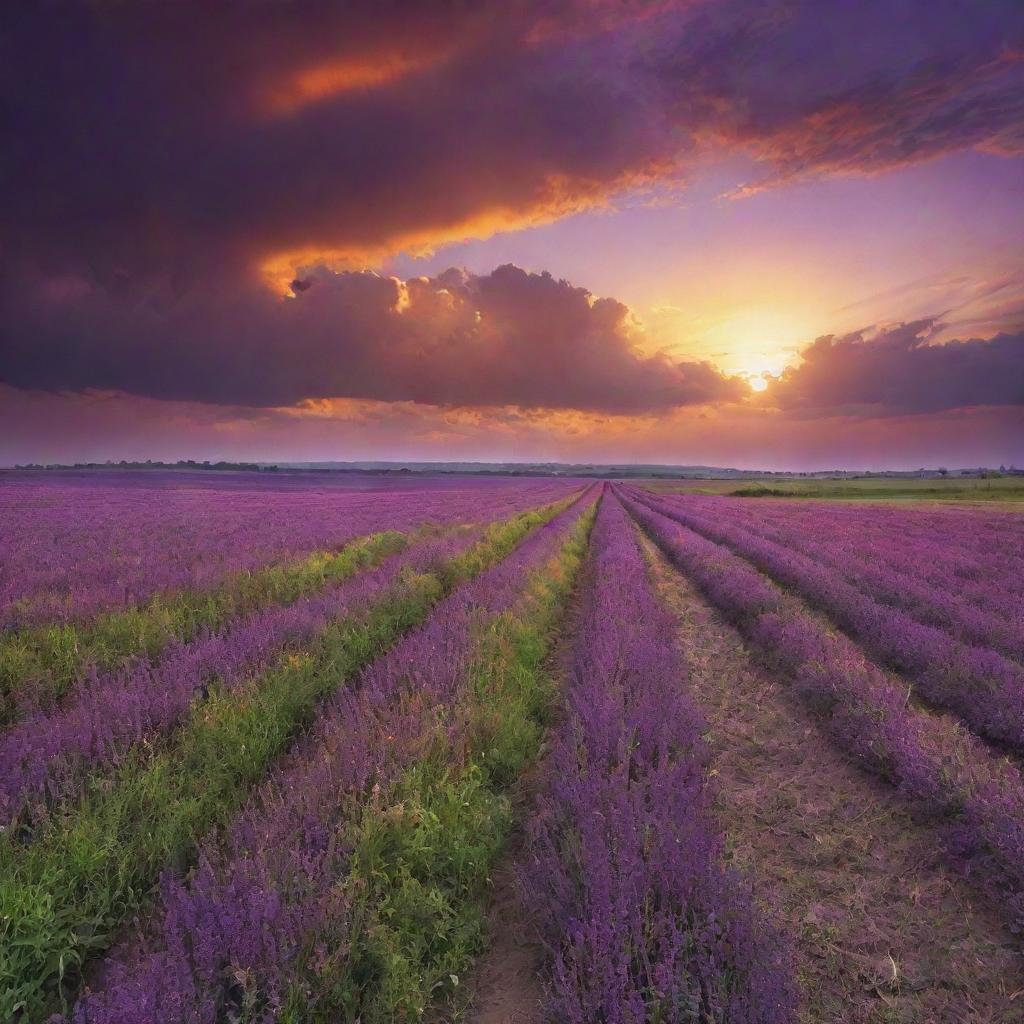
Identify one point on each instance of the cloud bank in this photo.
(504, 338)
(898, 372)
(458, 339)
(304, 129)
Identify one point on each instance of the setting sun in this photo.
(753, 342)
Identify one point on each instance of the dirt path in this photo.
(884, 932)
(505, 986)
(506, 982)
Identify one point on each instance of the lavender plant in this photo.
(927, 578)
(61, 896)
(74, 546)
(625, 869)
(976, 798)
(268, 894)
(47, 757)
(985, 689)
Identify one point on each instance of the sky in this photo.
(777, 234)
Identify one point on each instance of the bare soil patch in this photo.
(884, 932)
(506, 982)
(505, 985)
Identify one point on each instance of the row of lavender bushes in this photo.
(977, 799)
(625, 866)
(984, 543)
(64, 895)
(39, 666)
(980, 685)
(974, 601)
(46, 758)
(147, 552)
(71, 548)
(271, 924)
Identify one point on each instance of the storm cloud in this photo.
(166, 140)
(189, 192)
(897, 371)
(505, 338)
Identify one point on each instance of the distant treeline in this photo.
(619, 472)
(251, 467)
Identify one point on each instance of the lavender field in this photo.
(320, 747)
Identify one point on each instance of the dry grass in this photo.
(884, 932)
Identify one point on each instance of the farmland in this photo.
(308, 748)
(988, 488)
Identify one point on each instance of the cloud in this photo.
(979, 303)
(457, 339)
(44, 427)
(132, 161)
(145, 197)
(901, 371)
(296, 131)
(857, 89)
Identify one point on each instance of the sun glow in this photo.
(758, 343)
(755, 343)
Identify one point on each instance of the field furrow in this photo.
(976, 798)
(981, 686)
(859, 884)
(63, 896)
(625, 868)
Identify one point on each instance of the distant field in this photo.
(304, 751)
(911, 488)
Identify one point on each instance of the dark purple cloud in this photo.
(898, 372)
(166, 140)
(505, 338)
(151, 138)
(813, 89)
(156, 156)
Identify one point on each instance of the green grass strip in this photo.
(50, 659)
(420, 869)
(63, 897)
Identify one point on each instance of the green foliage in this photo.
(423, 853)
(418, 874)
(62, 895)
(90, 869)
(986, 487)
(51, 659)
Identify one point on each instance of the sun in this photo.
(761, 370)
(758, 378)
(757, 344)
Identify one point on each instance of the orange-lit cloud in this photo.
(353, 74)
(901, 370)
(455, 339)
(552, 198)
(45, 427)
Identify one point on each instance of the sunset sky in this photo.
(773, 234)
